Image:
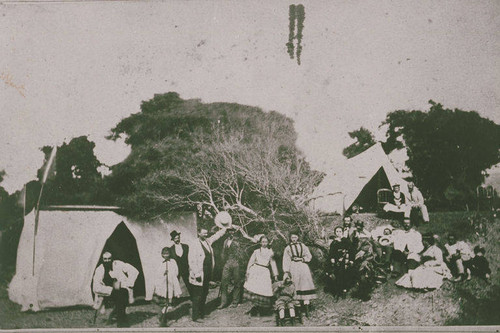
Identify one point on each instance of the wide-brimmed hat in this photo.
(174, 234)
(223, 220)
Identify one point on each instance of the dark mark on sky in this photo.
(296, 16)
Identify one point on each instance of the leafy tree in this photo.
(212, 157)
(448, 150)
(364, 140)
(75, 178)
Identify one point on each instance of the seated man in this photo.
(407, 246)
(397, 202)
(114, 279)
(415, 200)
(458, 257)
(359, 234)
(347, 228)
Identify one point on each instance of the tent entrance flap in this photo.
(123, 246)
(367, 198)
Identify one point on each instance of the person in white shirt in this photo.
(407, 245)
(115, 279)
(415, 200)
(167, 283)
(201, 265)
(458, 257)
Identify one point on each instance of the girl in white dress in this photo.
(261, 272)
(167, 284)
(295, 263)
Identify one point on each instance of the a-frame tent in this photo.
(69, 243)
(356, 180)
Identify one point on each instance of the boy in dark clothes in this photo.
(479, 265)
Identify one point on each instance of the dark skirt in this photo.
(258, 300)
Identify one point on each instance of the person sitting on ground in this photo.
(407, 246)
(479, 265)
(167, 284)
(285, 298)
(366, 270)
(359, 234)
(432, 271)
(339, 266)
(415, 200)
(114, 279)
(383, 247)
(347, 228)
(458, 256)
(397, 201)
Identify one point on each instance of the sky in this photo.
(77, 68)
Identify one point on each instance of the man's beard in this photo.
(107, 266)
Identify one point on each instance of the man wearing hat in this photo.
(397, 202)
(179, 252)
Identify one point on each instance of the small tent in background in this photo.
(356, 181)
(69, 244)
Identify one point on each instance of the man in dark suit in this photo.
(234, 259)
(179, 252)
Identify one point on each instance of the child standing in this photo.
(167, 283)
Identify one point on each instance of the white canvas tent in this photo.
(340, 189)
(68, 248)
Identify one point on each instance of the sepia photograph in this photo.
(250, 165)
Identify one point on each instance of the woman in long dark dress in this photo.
(340, 264)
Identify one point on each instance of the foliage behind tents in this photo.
(211, 157)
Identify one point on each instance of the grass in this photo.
(469, 303)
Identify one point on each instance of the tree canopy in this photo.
(212, 157)
(448, 150)
(364, 140)
(74, 178)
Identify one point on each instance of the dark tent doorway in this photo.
(367, 198)
(123, 247)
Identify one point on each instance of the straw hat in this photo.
(223, 220)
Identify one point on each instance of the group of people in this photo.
(399, 203)
(360, 259)
(255, 279)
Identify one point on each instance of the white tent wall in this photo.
(339, 189)
(68, 246)
(151, 239)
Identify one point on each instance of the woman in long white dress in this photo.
(296, 257)
(261, 272)
(431, 273)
